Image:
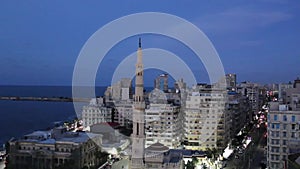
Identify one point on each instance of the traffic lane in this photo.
(235, 161)
(259, 153)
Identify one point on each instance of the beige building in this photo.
(50, 149)
(283, 134)
(123, 112)
(121, 90)
(161, 82)
(163, 124)
(206, 123)
(254, 92)
(292, 95)
(96, 112)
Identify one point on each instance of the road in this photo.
(258, 154)
(253, 155)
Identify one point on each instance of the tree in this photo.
(189, 165)
(204, 166)
(195, 161)
(208, 152)
(102, 156)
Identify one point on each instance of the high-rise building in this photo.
(161, 82)
(121, 90)
(254, 92)
(163, 125)
(96, 112)
(138, 118)
(239, 110)
(292, 95)
(283, 134)
(284, 128)
(123, 112)
(282, 88)
(206, 123)
(231, 81)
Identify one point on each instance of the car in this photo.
(241, 151)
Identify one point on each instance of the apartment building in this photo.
(163, 125)
(96, 112)
(206, 123)
(283, 134)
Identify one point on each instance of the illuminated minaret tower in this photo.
(138, 133)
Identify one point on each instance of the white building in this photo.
(96, 112)
(283, 134)
(163, 124)
(53, 149)
(282, 88)
(123, 112)
(121, 90)
(206, 123)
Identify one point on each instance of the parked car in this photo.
(241, 151)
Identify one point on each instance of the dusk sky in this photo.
(40, 41)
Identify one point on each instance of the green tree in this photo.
(189, 165)
(195, 161)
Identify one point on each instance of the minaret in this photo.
(138, 133)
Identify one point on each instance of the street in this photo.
(253, 154)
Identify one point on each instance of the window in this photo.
(293, 135)
(284, 149)
(284, 118)
(284, 142)
(277, 126)
(284, 157)
(275, 117)
(293, 118)
(284, 134)
(284, 126)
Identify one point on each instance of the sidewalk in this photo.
(2, 165)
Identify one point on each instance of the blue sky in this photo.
(40, 40)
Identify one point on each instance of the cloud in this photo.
(240, 20)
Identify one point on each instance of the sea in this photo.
(18, 118)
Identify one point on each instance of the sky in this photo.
(40, 40)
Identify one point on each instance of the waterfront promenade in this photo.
(46, 99)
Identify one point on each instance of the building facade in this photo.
(123, 112)
(206, 123)
(52, 149)
(96, 112)
(161, 82)
(231, 81)
(283, 135)
(239, 110)
(163, 125)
